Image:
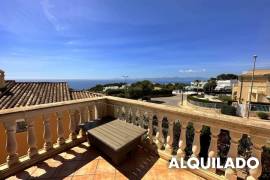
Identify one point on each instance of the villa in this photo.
(261, 87)
(260, 96)
(49, 146)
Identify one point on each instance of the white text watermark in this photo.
(196, 163)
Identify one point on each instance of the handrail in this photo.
(226, 122)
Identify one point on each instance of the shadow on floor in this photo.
(67, 163)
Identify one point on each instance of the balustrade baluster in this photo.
(47, 132)
(257, 150)
(90, 112)
(72, 125)
(182, 141)
(82, 113)
(31, 137)
(126, 113)
(115, 111)
(233, 153)
(150, 127)
(141, 118)
(196, 146)
(159, 135)
(168, 147)
(11, 144)
(60, 128)
(134, 114)
(212, 152)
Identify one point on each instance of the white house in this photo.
(195, 85)
(225, 84)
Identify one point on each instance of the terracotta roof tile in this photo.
(84, 94)
(18, 94)
(258, 72)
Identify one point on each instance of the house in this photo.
(25, 94)
(260, 90)
(196, 85)
(225, 85)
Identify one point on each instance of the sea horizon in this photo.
(82, 84)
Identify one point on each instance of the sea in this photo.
(83, 84)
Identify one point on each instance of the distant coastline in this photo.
(79, 84)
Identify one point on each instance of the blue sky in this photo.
(96, 39)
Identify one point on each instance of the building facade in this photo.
(261, 87)
(225, 85)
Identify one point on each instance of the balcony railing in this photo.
(147, 115)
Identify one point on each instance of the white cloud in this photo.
(47, 7)
(191, 70)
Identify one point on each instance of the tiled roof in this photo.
(18, 94)
(258, 72)
(84, 94)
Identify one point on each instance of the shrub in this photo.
(228, 110)
(262, 115)
(225, 98)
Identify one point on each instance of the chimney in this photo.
(2, 79)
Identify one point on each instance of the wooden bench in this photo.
(116, 139)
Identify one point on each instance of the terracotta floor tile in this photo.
(88, 168)
(78, 149)
(53, 162)
(83, 177)
(104, 167)
(104, 176)
(43, 171)
(86, 162)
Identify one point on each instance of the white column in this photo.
(212, 152)
(257, 150)
(196, 146)
(72, 125)
(31, 137)
(231, 174)
(60, 128)
(168, 147)
(182, 141)
(47, 132)
(11, 143)
(159, 135)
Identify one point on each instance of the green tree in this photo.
(227, 76)
(97, 88)
(146, 87)
(210, 85)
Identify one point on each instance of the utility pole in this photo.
(252, 79)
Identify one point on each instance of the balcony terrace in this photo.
(73, 158)
(85, 162)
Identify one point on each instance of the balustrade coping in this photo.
(226, 122)
(238, 124)
(72, 103)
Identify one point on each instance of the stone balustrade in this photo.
(259, 132)
(86, 110)
(141, 114)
